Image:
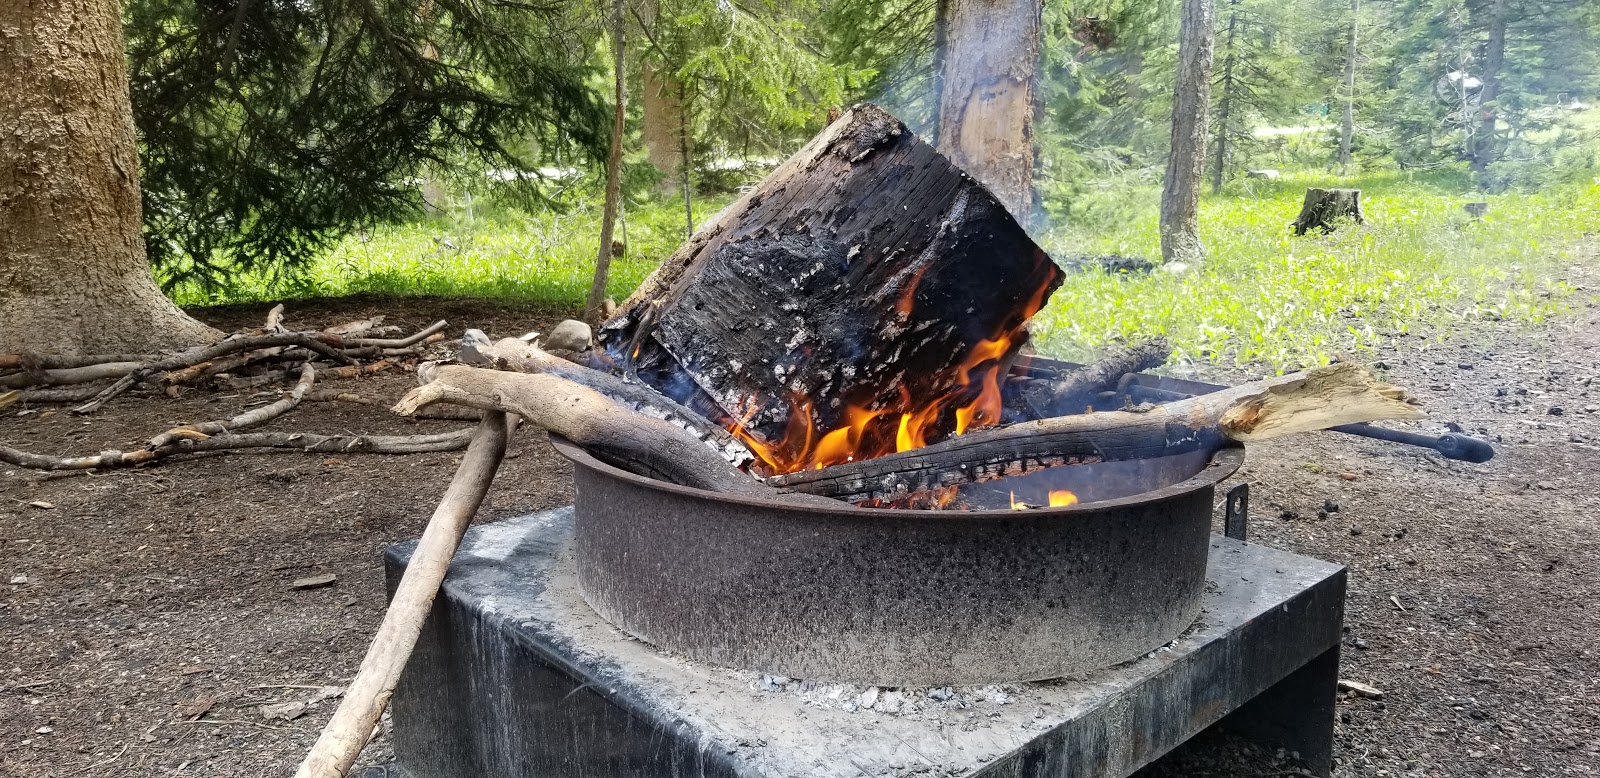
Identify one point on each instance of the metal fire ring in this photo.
(894, 597)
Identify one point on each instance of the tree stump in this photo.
(1323, 207)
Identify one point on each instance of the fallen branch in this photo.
(302, 441)
(1300, 402)
(253, 418)
(68, 375)
(521, 356)
(405, 342)
(66, 394)
(200, 354)
(441, 411)
(632, 441)
(347, 732)
(59, 362)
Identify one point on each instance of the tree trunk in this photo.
(1324, 207)
(660, 94)
(1191, 100)
(593, 308)
(1483, 143)
(1347, 127)
(1225, 110)
(73, 273)
(985, 111)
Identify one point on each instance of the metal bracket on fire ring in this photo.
(1236, 516)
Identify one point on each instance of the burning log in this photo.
(866, 298)
(1299, 402)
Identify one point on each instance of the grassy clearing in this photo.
(1262, 298)
(1266, 298)
(545, 258)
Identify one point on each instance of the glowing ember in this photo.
(1060, 498)
(899, 421)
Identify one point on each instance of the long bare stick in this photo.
(253, 418)
(67, 375)
(347, 732)
(410, 340)
(57, 362)
(302, 441)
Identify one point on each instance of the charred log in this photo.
(868, 274)
(1299, 402)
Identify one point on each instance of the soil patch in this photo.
(150, 622)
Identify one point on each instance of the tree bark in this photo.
(1225, 110)
(1483, 142)
(990, 58)
(1191, 99)
(1323, 208)
(592, 309)
(73, 273)
(1347, 125)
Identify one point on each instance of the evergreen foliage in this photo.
(271, 128)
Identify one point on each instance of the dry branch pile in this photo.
(243, 360)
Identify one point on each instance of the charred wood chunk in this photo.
(866, 281)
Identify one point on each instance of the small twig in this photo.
(307, 442)
(230, 721)
(410, 340)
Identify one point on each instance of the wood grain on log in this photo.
(863, 275)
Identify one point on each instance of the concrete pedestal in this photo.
(516, 676)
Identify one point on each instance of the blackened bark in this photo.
(864, 270)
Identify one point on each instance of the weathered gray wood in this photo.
(864, 271)
(1324, 207)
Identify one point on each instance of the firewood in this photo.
(1299, 402)
(868, 270)
(58, 362)
(1075, 391)
(520, 356)
(351, 726)
(621, 437)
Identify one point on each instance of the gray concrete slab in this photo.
(516, 676)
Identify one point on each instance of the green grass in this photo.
(1263, 297)
(1421, 266)
(544, 258)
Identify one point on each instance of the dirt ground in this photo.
(149, 614)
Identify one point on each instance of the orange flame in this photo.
(901, 423)
(1060, 498)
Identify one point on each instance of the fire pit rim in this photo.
(1223, 463)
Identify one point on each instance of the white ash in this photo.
(890, 700)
